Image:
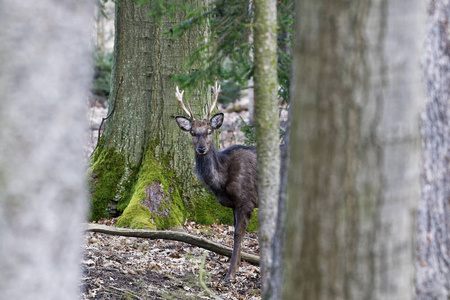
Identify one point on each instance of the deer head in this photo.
(200, 130)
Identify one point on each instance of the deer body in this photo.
(230, 174)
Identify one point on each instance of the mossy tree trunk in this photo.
(267, 130)
(144, 165)
(355, 150)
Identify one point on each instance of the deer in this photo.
(231, 174)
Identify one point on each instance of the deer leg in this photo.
(241, 220)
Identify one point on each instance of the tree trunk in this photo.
(277, 275)
(144, 165)
(433, 219)
(44, 80)
(267, 130)
(354, 171)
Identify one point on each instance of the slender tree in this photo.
(267, 129)
(433, 219)
(44, 79)
(354, 159)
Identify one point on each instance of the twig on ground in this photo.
(202, 283)
(121, 292)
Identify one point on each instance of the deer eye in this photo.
(210, 131)
(193, 133)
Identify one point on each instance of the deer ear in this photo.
(184, 123)
(216, 121)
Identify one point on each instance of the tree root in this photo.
(174, 236)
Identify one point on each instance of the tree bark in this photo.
(173, 236)
(433, 219)
(267, 131)
(354, 159)
(44, 80)
(144, 165)
(147, 59)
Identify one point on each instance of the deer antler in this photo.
(216, 91)
(180, 100)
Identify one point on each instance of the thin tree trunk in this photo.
(44, 80)
(267, 130)
(433, 219)
(354, 171)
(277, 275)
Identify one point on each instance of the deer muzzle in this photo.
(201, 150)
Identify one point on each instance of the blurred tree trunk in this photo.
(44, 80)
(433, 267)
(144, 165)
(267, 130)
(355, 150)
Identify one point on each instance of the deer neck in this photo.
(209, 168)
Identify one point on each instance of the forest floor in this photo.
(116, 267)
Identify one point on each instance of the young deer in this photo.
(230, 174)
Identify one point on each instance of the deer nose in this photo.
(201, 150)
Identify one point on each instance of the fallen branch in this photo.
(171, 235)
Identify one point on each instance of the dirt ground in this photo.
(117, 267)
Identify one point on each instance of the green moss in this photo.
(206, 210)
(136, 216)
(107, 171)
(127, 189)
(156, 200)
(253, 224)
